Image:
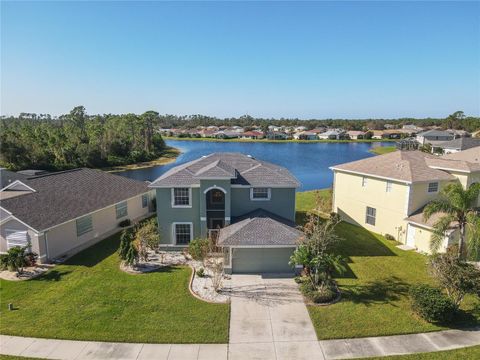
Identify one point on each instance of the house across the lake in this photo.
(247, 204)
(58, 214)
(386, 194)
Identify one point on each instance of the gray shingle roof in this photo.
(240, 168)
(66, 195)
(259, 228)
(462, 143)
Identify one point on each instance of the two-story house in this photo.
(248, 203)
(387, 193)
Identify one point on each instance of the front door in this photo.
(217, 223)
(411, 236)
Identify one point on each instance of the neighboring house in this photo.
(248, 203)
(277, 135)
(225, 134)
(58, 214)
(386, 194)
(456, 145)
(331, 135)
(356, 135)
(306, 135)
(457, 133)
(433, 136)
(253, 135)
(377, 134)
(412, 129)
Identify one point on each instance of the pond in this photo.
(309, 162)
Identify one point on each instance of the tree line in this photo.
(76, 139)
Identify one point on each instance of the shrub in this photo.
(201, 272)
(198, 248)
(17, 258)
(321, 295)
(431, 304)
(389, 237)
(125, 223)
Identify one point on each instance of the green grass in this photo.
(276, 141)
(90, 298)
(469, 353)
(374, 289)
(380, 150)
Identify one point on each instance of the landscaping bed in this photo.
(90, 298)
(374, 289)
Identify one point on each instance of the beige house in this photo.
(386, 194)
(58, 214)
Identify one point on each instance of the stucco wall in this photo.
(282, 202)
(419, 195)
(351, 200)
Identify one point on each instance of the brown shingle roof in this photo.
(471, 155)
(407, 166)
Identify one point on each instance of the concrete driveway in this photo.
(269, 319)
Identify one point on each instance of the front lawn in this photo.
(89, 298)
(374, 290)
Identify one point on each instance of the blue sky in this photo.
(268, 59)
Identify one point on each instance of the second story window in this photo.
(389, 186)
(181, 197)
(364, 181)
(260, 193)
(433, 187)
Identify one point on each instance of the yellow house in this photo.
(387, 193)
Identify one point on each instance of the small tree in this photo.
(455, 275)
(17, 258)
(216, 265)
(128, 251)
(199, 248)
(147, 238)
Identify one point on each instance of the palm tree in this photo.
(456, 205)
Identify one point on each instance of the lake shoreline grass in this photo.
(277, 141)
(168, 156)
(380, 150)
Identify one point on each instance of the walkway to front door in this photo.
(269, 319)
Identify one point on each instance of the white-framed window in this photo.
(388, 187)
(364, 181)
(260, 193)
(181, 197)
(16, 238)
(121, 209)
(144, 200)
(370, 215)
(182, 232)
(433, 187)
(84, 225)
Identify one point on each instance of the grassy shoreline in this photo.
(380, 150)
(168, 156)
(277, 141)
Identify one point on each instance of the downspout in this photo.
(46, 244)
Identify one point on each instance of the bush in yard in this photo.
(324, 294)
(198, 248)
(201, 272)
(125, 223)
(127, 250)
(455, 275)
(147, 238)
(17, 258)
(389, 237)
(431, 304)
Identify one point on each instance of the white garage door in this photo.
(16, 238)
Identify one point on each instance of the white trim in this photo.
(203, 219)
(215, 187)
(11, 216)
(370, 175)
(269, 194)
(407, 202)
(15, 183)
(448, 169)
(172, 195)
(267, 186)
(227, 218)
(174, 235)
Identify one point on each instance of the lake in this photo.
(309, 162)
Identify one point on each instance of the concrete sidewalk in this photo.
(324, 350)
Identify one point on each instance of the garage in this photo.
(259, 242)
(264, 260)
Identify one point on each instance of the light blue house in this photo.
(245, 203)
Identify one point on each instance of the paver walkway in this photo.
(268, 321)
